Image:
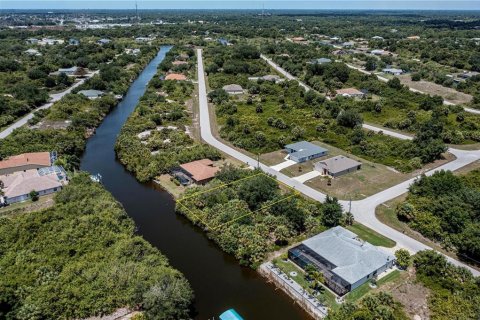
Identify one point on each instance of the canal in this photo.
(218, 281)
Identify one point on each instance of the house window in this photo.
(54, 189)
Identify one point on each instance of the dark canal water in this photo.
(217, 279)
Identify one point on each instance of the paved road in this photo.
(445, 102)
(54, 97)
(363, 210)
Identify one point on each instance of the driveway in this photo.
(283, 165)
(307, 176)
(363, 210)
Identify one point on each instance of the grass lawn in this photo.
(287, 267)
(371, 236)
(365, 288)
(370, 179)
(43, 202)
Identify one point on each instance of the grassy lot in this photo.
(371, 179)
(371, 236)
(365, 288)
(287, 267)
(431, 88)
(43, 202)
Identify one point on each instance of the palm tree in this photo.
(349, 218)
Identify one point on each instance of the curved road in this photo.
(363, 210)
(54, 97)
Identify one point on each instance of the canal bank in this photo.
(218, 281)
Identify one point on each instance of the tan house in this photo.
(25, 161)
(18, 185)
(200, 172)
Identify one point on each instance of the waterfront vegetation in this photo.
(158, 135)
(80, 258)
(455, 293)
(66, 126)
(446, 209)
(248, 214)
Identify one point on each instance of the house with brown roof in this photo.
(199, 172)
(176, 77)
(25, 161)
(350, 93)
(18, 185)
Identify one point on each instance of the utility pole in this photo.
(136, 11)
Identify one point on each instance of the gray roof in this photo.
(233, 88)
(393, 70)
(304, 149)
(339, 164)
(322, 60)
(91, 93)
(354, 259)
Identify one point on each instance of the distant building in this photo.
(298, 39)
(413, 38)
(26, 161)
(73, 42)
(18, 185)
(68, 71)
(345, 261)
(468, 75)
(33, 52)
(51, 42)
(377, 38)
(303, 151)
(378, 52)
(199, 172)
(91, 94)
(350, 93)
(32, 41)
(268, 77)
(134, 52)
(321, 61)
(104, 41)
(144, 39)
(337, 166)
(176, 77)
(233, 89)
(394, 71)
(348, 44)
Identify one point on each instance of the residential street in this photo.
(53, 98)
(363, 210)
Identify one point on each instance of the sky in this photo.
(242, 4)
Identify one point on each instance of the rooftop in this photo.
(339, 164)
(23, 182)
(38, 158)
(349, 91)
(201, 169)
(91, 93)
(233, 87)
(176, 76)
(354, 259)
(305, 149)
